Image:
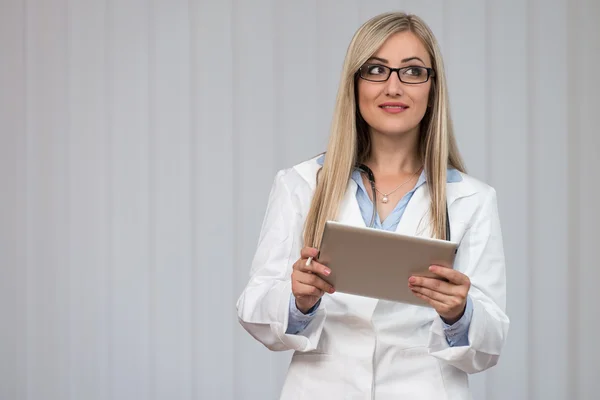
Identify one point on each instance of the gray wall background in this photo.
(139, 140)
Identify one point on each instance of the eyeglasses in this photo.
(411, 75)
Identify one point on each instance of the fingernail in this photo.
(327, 271)
(412, 279)
(431, 268)
(331, 290)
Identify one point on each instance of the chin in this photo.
(394, 125)
(396, 130)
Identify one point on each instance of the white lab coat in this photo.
(364, 348)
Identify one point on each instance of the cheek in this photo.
(420, 101)
(420, 97)
(366, 95)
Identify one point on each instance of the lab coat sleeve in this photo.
(263, 306)
(481, 258)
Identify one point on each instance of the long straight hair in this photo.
(350, 141)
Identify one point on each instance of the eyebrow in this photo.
(383, 60)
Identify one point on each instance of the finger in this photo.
(302, 289)
(315, 268)
(313, 280)
(307, 252)
(432, 302)
(436, 285)
(440, 297)
(454, 276)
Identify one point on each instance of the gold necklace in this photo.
(385, 198)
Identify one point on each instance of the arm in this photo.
(481, 258)
(264, 306)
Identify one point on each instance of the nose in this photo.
(394, 86)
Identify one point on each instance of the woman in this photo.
(391, 126)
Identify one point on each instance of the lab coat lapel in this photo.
(416, 219)
(457, 190)
(416, 215)
(349, 212)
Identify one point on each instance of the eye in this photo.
(415, 72)
(376, 70)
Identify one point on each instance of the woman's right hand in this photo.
(307, 287)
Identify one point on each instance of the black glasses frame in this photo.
(430, 73)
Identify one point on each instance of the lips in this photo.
(393, 108)
(393, 105)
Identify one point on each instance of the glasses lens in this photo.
(373, 72)
(413, 74)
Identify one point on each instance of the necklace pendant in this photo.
(384, 200)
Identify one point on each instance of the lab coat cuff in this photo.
(308, 339)
(297, 320)
(478, 355)
(477, 326)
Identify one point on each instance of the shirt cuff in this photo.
(457, 334)
(297, 320)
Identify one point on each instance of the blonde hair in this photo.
(349, 141)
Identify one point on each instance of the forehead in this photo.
(400, 46)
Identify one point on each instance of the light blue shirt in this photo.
(456, 334)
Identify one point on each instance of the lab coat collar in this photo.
(454, 190)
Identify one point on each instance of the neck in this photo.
(392, 155)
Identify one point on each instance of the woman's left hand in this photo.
(448, 298)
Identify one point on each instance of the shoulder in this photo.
(476, 186)
(301, 176)
(294, 186)
(472, 198)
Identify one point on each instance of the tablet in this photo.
(375, 263)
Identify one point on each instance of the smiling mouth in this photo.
(393, 108)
